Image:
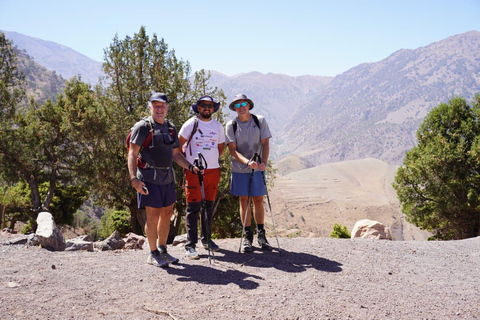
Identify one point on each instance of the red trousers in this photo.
(193, 193)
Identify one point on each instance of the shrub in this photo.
(340, 231)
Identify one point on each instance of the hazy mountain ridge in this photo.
(56, 57)
(374, 109)
(276, 96)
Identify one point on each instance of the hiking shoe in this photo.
(166, 256)
(247, 245)
(191, 254)
(157, 260)
(262, 241)
(213, 246)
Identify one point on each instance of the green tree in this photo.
(49, 143)
(118, 220)
(135, 67)
(439, 182)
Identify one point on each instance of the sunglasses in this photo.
(206, 105)
(238, 105)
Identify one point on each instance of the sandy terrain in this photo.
(310, 201)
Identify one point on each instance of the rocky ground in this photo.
(312, 278)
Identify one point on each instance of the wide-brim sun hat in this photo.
(238, 97)
(216, 105)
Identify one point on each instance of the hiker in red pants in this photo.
(202, 136)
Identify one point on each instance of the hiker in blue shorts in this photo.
(151, 173)
(246, 136)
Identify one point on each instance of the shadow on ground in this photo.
(237, 267)
(286, 261)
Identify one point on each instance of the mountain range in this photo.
(372, 110)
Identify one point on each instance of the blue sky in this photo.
(295, 37)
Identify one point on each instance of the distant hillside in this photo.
(374, 109)
(42, 84)
(276, 96)
(56, 57)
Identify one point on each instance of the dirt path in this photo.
(313, 278)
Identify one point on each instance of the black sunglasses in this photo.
(206, 105)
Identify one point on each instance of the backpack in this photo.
(234, 123)
(140, 163)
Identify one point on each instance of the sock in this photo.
(260, 226)
(162, 249)
(155, 252)
(247, 229)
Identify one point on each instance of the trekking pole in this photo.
(199, 163)
(248, 205)
(269, 206)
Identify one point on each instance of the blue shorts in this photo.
(240, 184)
(159, 196)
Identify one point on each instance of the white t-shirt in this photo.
(206, 139)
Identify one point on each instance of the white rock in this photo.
(371, 229)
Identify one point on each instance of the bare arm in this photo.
(133, 152)
(221, 149)
(232, 148)
(265, 153)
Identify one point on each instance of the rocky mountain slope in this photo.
(41, 84)
(276, 96)
(374, 109)
(56, 57)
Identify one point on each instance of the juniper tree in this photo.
(439, 182)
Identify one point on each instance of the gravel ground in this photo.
(312, 278)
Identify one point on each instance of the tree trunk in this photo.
(35, 195)
(137, 219)
(50, 192)
(4, 209)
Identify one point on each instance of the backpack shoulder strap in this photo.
(255, 119)
(234, 124)
(195, 127)
(149, 137)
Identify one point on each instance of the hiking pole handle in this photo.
(197, 163)
(202, 161)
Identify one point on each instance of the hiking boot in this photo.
(157, 260)
(262, 241)
(166, 256)
(213, 246)
(191, 254)
(247, 245)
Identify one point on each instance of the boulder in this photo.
(79, 244)
(32, 240)
(134, 241)
(48, 233)
(18, 240)
(371, 229)
(114, 242)
(181, 238)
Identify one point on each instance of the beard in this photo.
(206, 115)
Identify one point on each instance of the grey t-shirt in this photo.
(248, 140)
(158, 153)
